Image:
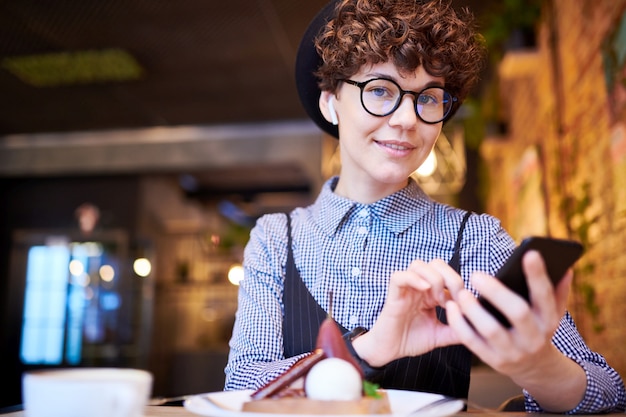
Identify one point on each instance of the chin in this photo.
(392, 178)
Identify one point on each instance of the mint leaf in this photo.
(371, 389)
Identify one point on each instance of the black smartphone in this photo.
(558, 255)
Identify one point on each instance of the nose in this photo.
(405, 115)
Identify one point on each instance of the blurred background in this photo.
(140, 140)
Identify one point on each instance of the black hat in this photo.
(307, 62)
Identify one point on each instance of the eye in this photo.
(379, 91)
(426, 99)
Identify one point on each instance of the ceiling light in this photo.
(74, 68)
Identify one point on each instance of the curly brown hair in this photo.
(409, 33)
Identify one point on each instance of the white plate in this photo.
(230, 403)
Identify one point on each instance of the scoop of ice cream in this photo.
(333, 379)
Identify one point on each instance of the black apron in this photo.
(443, 370)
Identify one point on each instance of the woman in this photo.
(383, 76)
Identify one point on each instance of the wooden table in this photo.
(161, 411)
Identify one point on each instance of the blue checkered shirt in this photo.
(352, 249)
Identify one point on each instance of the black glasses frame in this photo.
(415, 94)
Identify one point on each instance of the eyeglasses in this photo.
(382, 96)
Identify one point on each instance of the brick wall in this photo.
(561, 167)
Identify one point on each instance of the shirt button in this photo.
(354, 319)
(364, 212)
(356, 271)
(362, 230)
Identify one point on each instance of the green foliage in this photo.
(579, 223)
(484, 109)
(474, 123)
(507, 17)
(235, 235)
(588, 293)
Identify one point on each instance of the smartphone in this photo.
(558, 255)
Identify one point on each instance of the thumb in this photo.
(445, 336)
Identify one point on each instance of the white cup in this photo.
(86, 392)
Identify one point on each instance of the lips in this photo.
(396, 146)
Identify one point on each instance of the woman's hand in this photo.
(408, 323)
(524, 352)
(511, 351)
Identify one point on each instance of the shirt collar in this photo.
(397, 212)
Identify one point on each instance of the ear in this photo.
(327, 107)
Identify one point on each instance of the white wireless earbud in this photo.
(333, 113)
